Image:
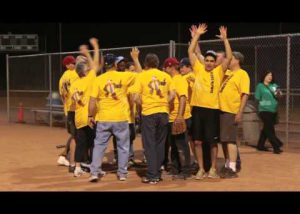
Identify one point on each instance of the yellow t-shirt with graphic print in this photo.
(111, 90)
(153, 85)
(206, 87)
(181, 89)
(65, 83)
(235, 83)
(81, 91)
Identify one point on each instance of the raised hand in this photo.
(94, 42)
(135, 53)
(223, 33)
(202, 28)
(193, 30)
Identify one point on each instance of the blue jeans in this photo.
(104, 131)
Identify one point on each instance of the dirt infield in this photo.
(29, 157)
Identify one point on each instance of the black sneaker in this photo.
(229, 174)
(223, 171)
(277, 151)
(71, 169)
(149, 181)
(264, 149)
(181, 176)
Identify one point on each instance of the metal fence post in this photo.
(170, 48)
(50, 88)
(288, 89)
(255, 64)
(7, 88)
(174, 49)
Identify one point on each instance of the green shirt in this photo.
(266, 99)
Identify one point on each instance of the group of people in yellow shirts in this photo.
(203, 95)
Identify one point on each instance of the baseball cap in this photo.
(119, 59)
(211, 53)
(170, 62)
(185, 62)
(68, 60)
(109, 59)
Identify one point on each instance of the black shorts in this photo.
(188, 123)
(71, 123)
(206, 124)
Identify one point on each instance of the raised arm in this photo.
(95, 44)
(223, 37)
(191, 50)
(198, 54)
(135, 57)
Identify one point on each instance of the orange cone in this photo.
(21, 113)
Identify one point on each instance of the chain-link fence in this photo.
(32, 78)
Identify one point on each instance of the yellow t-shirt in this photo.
(81, 91)
(153, 85)
(181, 89)
(235, 83)
(190, 78)
(206, 87)
(65, 83)
(111, 89)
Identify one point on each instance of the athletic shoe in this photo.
(150, 181)
(93, 178)
(62, 161)
(78, 172)
(230, 174)
(213, 173)
(200, 174)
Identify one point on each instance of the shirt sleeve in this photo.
(197, 67)
(182, 88)
(245, 84)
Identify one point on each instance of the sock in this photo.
(232, 166)
(227, 163)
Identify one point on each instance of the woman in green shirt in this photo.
(266, 93)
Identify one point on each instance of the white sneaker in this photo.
(122, 178)
(78, 172)
(93, 178)
(62, 161)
